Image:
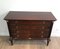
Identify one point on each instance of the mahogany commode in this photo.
(29, 25)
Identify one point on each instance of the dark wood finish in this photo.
(30, 25)
(21, 15)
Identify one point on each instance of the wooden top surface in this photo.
(24, 15)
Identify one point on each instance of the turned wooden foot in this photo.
(11, 40)
(48, 41)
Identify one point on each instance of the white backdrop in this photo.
(29, 5)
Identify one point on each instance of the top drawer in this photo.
(29, 22)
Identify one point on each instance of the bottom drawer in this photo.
(38, 36)
(20, 36)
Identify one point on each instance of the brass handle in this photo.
(17, 35)
(42, 32)
(29, 38)
(41, 35)
(43, 27)
(17, 31)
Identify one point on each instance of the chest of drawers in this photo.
(30, 25)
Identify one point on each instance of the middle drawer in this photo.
(31, 27)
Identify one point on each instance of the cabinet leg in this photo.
(11, 40)
(48, 41)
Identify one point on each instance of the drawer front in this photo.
(29, 27)
(39, 33)
(21, 34)
(28, 22)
